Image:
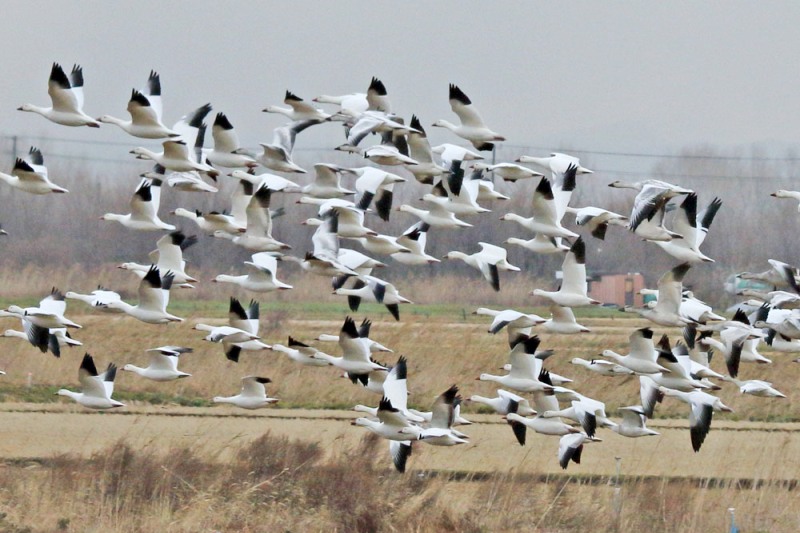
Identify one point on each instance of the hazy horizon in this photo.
(620, 77)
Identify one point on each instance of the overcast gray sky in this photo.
(622, 76)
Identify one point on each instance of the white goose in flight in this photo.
(163, 364)
(66, 95)
(96, 389)
(252, 396)
(573, 290)
(30, 175)
(488, 261)
(144, 107)
(472, 127)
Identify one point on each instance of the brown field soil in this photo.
(733, 451)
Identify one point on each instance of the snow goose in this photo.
(545, 219)
(544, 426)
(349, 222)
(227, 152)
(782, 343)
(458, 196)
(545, 401)
(440, 432)
(666, 311)
(642, 356)
(557, 163)
(96, 389)
(793, 195)
(370, 122)
(261, 276)
(452, 152)
(145, 110)
(299, 353)
(66, 95)
(49, 314)
(298, 109)
(363, 332)
(211, 222)
(378, 97)
(679, 371)
(30, 175)
(391, 425)
(373, 382)
(701, 409)
(246, 320)
(175, 157)
(437, 216)
(781, 275)
(183, 181)
(96, 299)
(564, 170)
(355, 102)
(252, 396)
(521, 377)
(573, 291)
(570, 448)
(392, 151)
(420, 150)
(502, 404)
(652, 199)
(488, 261)
(541, 244)
(144, 209)
(394, 388)
(458, 420)
(519, 324)
(382, 244)
(756, 387)
(168, 256)
(42, 338)
(273, 182)
(225, 334)
(376, 290)
(736, 342)
(278, 155)
(324, 260)
(359, 263)
(163, 364)
(472, 126)
(258, 233)
(602, 367)
(693, 227)
(373, 183)
(153, 299)
(327, 182)
(508, 171)
(562, 321)
(355, 352)
(414, 240)
(588, 412)
(597, 220)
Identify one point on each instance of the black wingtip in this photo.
(458, 94)
(349, 328)
(222, 121)
(377, 87)
(87, 364)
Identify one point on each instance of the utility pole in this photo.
(617, 496)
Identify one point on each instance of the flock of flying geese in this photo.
(459, 182)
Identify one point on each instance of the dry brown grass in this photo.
(278, 484)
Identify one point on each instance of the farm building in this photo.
(619, 289)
